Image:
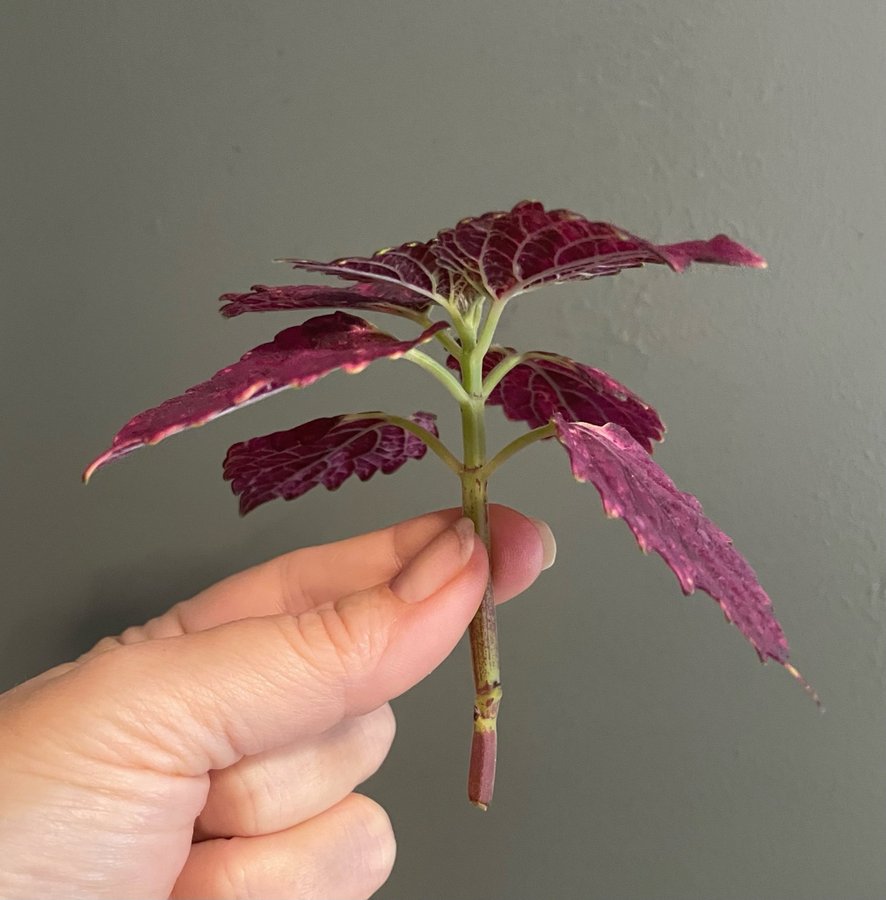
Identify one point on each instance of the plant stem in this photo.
(430, 440)
(439, 371)
(485, 659)
(482, 632)
(516, 445)
(511, 362)
(444, 337)
(449, 342)
(487, 332)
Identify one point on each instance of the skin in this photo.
(213, 751)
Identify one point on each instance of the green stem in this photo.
(467, 338)
(449, 342)
(444, 337)
(483, 635)
(487, 333)
(516, 445)
(439, 371)
(508, 364)
(482, 631)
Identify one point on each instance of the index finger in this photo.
(315, 576)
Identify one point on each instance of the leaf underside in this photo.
(671, 522)
(287, 464)
(550, 384)
(298, 356)
(502, 254)
(374, 297)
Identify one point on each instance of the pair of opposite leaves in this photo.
(606, 430)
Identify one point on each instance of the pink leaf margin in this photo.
(548, 384)
(671, 523)
(296, 357)
(374, 297)
(505, 253)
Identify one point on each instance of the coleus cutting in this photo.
(469, 274)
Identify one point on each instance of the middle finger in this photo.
(275, 790)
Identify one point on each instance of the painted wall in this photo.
(157, 154)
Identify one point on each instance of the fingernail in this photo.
(437, 564)
(548, 543)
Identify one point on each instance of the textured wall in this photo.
(157, 154)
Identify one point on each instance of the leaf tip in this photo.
(89, 471)
(807, 687)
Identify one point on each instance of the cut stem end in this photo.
(481, 776)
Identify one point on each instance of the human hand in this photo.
(213, 751)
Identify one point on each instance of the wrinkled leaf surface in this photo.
(296, 357)
(505, 253)
(376, 297)
(287, 464)
(633, 487)
(531, 246)
(412, 266)
(549, 384)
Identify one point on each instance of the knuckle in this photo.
(345, 640)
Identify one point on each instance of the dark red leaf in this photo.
(720, 249)
(506, 253)
(549, 384)
(296, 357)
(386, 298)
(670, 522)
(411, 266)
(327, 451)
(530, 246)
(459, 249)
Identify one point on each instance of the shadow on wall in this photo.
(115, 599)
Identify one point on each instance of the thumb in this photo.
(202, 701)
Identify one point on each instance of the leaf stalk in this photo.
(516, 445)
(431, 440)
(439, 371)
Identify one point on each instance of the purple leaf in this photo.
(531, 246)
(296, 357)
(386, 298)
(720, 249)
(506, 253)
(458, 249)
(671, 523)
(411, 266)
(327, 451)
(549, 384)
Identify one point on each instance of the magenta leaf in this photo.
(296, 357)
(376, 297)
(502, 254)
(672, 523)
(459, 249)
(720, 250)
(327, 451)
(531, 246)
(549, 384)
(411, 266)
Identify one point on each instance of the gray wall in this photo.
(157, 154)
